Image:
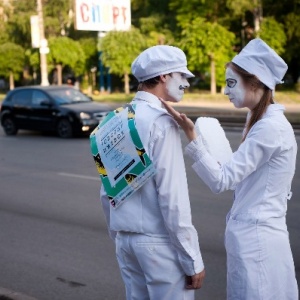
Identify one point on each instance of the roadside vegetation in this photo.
(283, 97)
(209, 32)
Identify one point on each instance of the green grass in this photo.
(113, 97)
(2, 96)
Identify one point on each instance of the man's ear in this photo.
(163, 78)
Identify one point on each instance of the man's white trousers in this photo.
(150, 268)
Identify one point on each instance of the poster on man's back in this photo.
(120, 157)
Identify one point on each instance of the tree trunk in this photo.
(11, 80)
(257, 15)
(213, 88)
(26, 75)
(34, 76)
(93, 80)
(88, 83)
(222, 90)
(126, 84)
(59, 74)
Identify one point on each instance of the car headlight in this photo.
(84, 116)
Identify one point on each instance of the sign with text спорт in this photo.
(102, 15)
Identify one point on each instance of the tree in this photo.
(187, 11)
(4, 9)
(58, 17)
(65, 52)
(119, 49)
(158, 9)
(154, 30)
(18, 21)
(208, 46)
(292, 53)
(32, 58)
(89, 47)
(11, 62)
(240, 7)
(273, 34)
(155, 20)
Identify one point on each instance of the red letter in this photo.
(124, 13)
(84, 17)
(115, 14)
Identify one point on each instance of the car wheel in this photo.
(9, 126)
(64, 129)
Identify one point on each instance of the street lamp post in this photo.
(43, 46)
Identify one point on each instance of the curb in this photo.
(6, 294)
(229, 117)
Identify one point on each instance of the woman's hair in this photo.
(266, 99)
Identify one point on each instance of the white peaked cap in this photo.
(259, 59)
(159, 60)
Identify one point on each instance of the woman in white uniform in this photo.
(259, 258)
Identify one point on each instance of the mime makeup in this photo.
(176, 85)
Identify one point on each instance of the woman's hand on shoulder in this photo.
(183, 121)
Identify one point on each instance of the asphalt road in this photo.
(53, 238)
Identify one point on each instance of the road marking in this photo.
(78, 176)
(12, 295)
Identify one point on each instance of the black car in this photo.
(62, 109)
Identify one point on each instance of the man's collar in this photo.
(148, 97)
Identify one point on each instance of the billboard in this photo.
(102, 15)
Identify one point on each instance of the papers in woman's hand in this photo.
(214, 138)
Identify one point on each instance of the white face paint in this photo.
(175, 86)
(237, 93)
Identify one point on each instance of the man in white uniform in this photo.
(156, 244)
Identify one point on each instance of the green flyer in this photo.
(119, 154)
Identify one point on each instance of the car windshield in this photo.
(68, 96)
